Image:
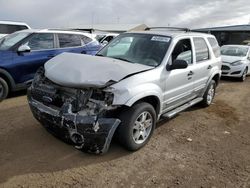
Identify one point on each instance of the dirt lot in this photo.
(199, 148)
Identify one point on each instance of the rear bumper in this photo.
(86, 132)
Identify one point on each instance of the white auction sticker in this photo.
(160, 39)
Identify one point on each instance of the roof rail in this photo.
(168, 28)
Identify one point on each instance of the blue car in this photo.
(23, 52)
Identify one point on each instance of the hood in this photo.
(231, 59)
(81, 71)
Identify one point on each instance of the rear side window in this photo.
(8, 29)
(201, 49)
(214, 44)
(69, 40)
(41, 41)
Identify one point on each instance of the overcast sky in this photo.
(74, 13)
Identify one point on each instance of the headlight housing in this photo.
(237, 63)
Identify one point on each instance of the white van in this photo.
(8, 27)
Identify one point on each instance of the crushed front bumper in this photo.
(85, 132)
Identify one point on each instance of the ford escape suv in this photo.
(23, 52)
(126, 88)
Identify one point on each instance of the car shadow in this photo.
(27, 148)
(14, 94)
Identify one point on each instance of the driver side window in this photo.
(183, 51)
(41, 41)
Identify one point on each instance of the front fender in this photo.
(128, 96)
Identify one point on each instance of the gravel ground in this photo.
(201, 147)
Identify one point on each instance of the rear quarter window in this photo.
(215, 46)
(86, 39)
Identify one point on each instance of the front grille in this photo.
(46, 97)
(224, 67)
(236, 72)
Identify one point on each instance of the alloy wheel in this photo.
(142, 127)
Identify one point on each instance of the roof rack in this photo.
(168, 28)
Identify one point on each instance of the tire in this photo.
(244, 75)
(209, 94)
(134, 136)
(4, 89)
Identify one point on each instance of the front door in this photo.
(179, 82)
(42, 48)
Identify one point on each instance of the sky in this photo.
(77, 13)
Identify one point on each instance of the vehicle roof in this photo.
(173, 34)
(13, 23)
(56, 31)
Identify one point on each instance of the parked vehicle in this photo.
(235, 61)
(86, 99)
(23, 52)
(8, 27)
(104, 39)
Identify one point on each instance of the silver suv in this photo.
(126, 88)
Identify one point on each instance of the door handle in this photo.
(209, 67)
(190, 73)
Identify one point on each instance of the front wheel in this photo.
(137, 126)
(4, 89)
(244, 75)
(209, 94)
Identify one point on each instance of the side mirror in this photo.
(104, 43)
(23, 48)
(178, 64)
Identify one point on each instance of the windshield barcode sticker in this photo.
(160, 39)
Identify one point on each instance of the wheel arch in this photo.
(8, 78)
(151, 99)
(216, 78)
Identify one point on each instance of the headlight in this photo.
(236, 63)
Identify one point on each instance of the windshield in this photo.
(240, 51)
(146, 49)
(10, 40)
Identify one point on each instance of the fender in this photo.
(209, 80)
(139, 96)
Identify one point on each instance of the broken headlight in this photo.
(105, 97)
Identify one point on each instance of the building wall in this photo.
(231, 37)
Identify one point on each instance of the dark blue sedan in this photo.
(23, 52)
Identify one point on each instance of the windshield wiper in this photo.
(99, 55)
(123, 59)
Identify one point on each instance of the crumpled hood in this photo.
(80, 71)
(231, 59)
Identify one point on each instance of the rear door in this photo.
(42, 47)
(204, 63)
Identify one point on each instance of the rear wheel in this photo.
(209, 94)
(4, 89)
(137, 126)
(244, 75)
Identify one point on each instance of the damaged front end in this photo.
(80, 116)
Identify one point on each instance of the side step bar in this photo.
(179, 109)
